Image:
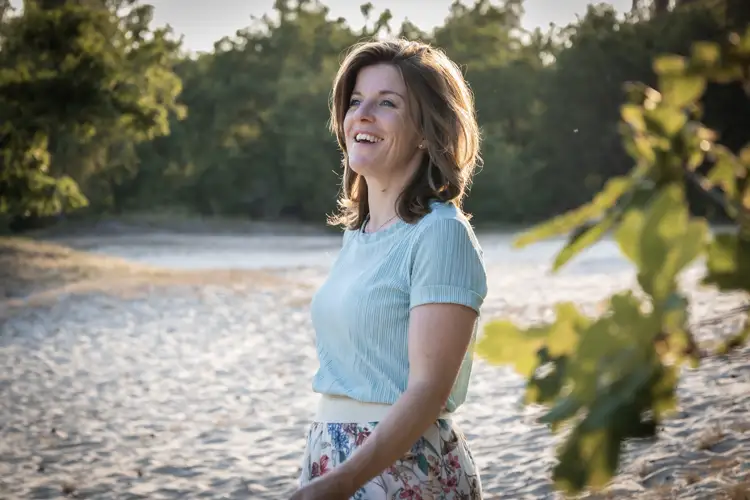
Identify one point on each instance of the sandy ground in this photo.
(126, 381)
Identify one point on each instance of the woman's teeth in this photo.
(367, 138)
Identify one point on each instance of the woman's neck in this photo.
(383, 193)
(382, 206)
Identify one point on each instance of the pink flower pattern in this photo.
(439, 465)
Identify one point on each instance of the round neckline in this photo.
(381, 233)
(386, 232)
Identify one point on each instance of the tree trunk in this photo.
(660, 7)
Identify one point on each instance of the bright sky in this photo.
(202, 23)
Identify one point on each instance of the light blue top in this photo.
(361, 312)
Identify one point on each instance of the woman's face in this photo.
(380, 137)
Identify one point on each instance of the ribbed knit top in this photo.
(361, 312)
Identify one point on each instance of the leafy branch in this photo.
(614, 378)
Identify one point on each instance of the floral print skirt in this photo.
(438, 467)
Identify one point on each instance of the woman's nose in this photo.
(364, 111)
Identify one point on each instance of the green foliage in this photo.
(614, 378)
(78, 81)
(25, 186)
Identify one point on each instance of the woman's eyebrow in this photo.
(382, 92)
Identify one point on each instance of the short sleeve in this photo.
(447, 266)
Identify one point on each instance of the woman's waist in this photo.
(334, 408)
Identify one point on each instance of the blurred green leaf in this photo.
(705, 54)
(725, 172)
(661, 241)
(728, 263)
(670, 64)
(677, 343)
(563, 334)
(587, 460)
(545, 385)
(680, 91)
(640, 148)
(742, 43)
(628, 235)
(633, 116)
(667, 120)
(616, 395)
(505, 343)
(563, 410)
(613, 190)
(744, 157)
(585, 237)
(663, 391)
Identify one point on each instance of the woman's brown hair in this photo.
(442, 106)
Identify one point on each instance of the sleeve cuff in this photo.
(444, 294)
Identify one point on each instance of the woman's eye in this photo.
(386, 102)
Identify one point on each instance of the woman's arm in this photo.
(439, 335)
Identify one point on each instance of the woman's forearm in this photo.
(417, 408)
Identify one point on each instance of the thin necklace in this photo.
(367, 221)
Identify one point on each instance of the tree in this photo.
(255, 140)
(73, 77)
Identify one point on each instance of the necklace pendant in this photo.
(367, 223)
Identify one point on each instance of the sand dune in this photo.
(195, 385)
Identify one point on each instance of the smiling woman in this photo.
(396, 316)
(415, 103)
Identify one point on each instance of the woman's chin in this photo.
(361, 168)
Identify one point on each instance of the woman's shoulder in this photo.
(446, 219)
(446, 253)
